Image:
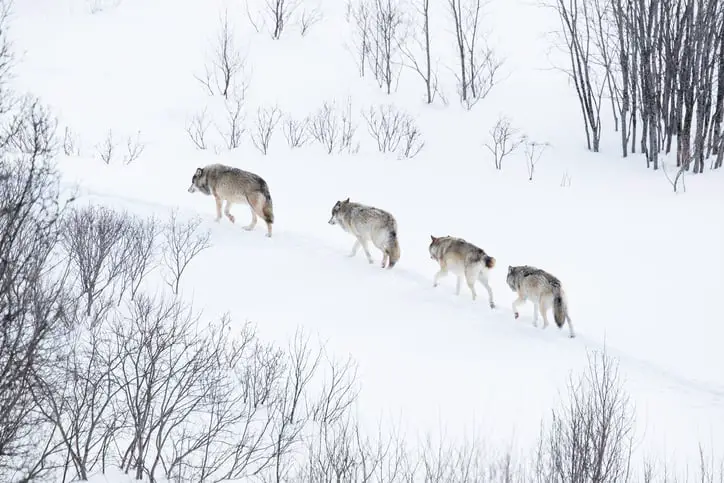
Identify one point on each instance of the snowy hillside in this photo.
(643, 267)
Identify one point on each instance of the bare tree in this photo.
(420, 48)
(141, 255)
(107, 148)
(394, 131)
(533, 152)
(591, 437)
(182, 243)
(578, 30)
(334, 128)
(33, 295)
(225, 73)
(197, 128)
(361, 17)
(235, 119)
(504, 140)
(308, 18)
(76, 396)
(134, 149)
(267, 120)
(70, 143)
(95, 243)
(296, 132)
(478, 63)
(387, 36)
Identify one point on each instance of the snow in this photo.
(642, 267)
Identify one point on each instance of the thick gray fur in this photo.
(368, 223)
(541, 288)
(464, 259)
(235, 186)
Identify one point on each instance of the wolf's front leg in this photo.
(458, 284)
(355, 247)
(516, 303)
(218, 208)
(363, 242)
(441, 273)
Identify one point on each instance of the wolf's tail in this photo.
(560, 310)
(489, 261)
(268, 208)
(393, 249)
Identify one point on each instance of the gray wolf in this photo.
(541, 288)
(465, 260)
(368, 223)
(235, 185)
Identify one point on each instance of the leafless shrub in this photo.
(31, 129)
(98, 6)
(308, 18)
(416, 53)
(333, 129)
(95, 243)
(134, 149)
(225, 73)
(76, 395)
(70, 143)
(197, 128)
(296, 132)
(106, 149)
(394, 131)
(141, 256)
(7, 58)
(33, 296)
(591, 436)
(182, 243)
(361, 16)
(267, 120)
(478, 63)
(565, 180)
(504, 140)
(533, 152)
(234, 129)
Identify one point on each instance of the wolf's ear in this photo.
(199, 172)
(346, 201)
(432, 238)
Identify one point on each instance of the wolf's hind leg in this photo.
(218, 207)
(254, 217)
(227, 211)
(536, 308)
(543, 309)
(484, 281)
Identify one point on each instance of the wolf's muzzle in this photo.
(192, 189)
(332, 221)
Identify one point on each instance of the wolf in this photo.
(235, 185)
(368, 223)
(544, 290)
(465, 260)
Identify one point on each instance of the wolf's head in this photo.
(510, 279)
(434, 242)
(336, 209)
(199, 182)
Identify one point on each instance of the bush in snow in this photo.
(334, 128)
(394, 131)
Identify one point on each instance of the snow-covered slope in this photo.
(641, 266)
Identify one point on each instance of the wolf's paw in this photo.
(231, 218)
(268, 235)
(492, 305)
(516, 315)
(248, 227)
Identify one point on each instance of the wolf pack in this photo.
(231, 185)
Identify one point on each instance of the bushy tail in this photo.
(559, 308)
(489, 261)
(393, 249)
(268, 209)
